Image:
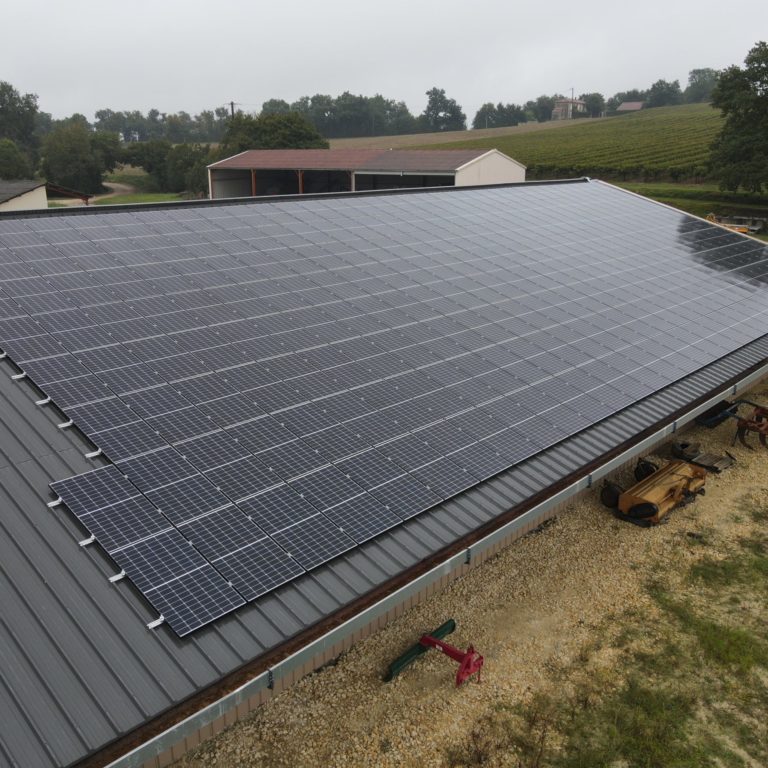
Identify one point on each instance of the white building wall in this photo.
(491, 168)
(35, 199)
(224, 183)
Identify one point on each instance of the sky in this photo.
(85, 55)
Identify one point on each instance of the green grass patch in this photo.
(134, 177)
(145, 197)
(733, 648)
(702, 199)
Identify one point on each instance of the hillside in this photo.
(667, 143)
(493, 135)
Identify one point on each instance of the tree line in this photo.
(176, 148)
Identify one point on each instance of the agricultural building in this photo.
(237, 436)
(630, 106)
(300, 171)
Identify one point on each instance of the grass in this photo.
(702, 199)
(667, 143)
(134, 177)
(141, 197)
(688, 689)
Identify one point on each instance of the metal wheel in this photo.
(609, 495)
(644, 468)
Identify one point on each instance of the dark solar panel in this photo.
(322, 371)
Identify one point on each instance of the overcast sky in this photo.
(84, 55)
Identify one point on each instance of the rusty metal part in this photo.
(757, 422)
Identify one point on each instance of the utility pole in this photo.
(232, 109)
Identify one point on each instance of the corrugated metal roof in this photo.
(79, 667)
(411, 160)
(11, 189)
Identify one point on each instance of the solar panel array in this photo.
(278, 382)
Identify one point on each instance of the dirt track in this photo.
(113, 187)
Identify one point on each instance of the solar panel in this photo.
(362, 359)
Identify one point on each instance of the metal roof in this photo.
(11, 189)
(80, 669)
(407, 160)
(630, 106)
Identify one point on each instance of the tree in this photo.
(14, 164)
(152, 156)
(543, 106)
(351, 116)
(17, 117)
(664, 94)
(185, 166)
(701, 82)
(740, 152)
(485, 117)
(510, 114)
(595, 103)
(442, 113)
(73, 156)
(291, 131)
(499, 115)
(275, 107)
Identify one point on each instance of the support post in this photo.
(253, 182)
(301, 182)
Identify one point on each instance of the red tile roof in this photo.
(413, 160)
(630, 106)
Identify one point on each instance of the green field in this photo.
(140, 197)
(663, 144)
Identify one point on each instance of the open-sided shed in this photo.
(261, 172)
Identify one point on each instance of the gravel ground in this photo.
(534, 606)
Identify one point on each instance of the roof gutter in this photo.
(177, 733)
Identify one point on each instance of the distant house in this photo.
(261, 172)
(567, 109)
(31, 195)
(630, 106)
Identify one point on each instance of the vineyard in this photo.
(666, 143)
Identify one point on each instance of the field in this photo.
(667, 143)
(426, 139)
(140, 197)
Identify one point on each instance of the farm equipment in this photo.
(692, 453)
(757, 421)
(657, 492)
(470, 662)
(747, 225)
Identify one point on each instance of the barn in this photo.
(239, 435)
(300, 171)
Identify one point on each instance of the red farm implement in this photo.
(470, 662)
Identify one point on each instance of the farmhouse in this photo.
(301, 171)
(239, 435)
(567, 109)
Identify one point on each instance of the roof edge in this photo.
(94, 210)
(491, 151)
